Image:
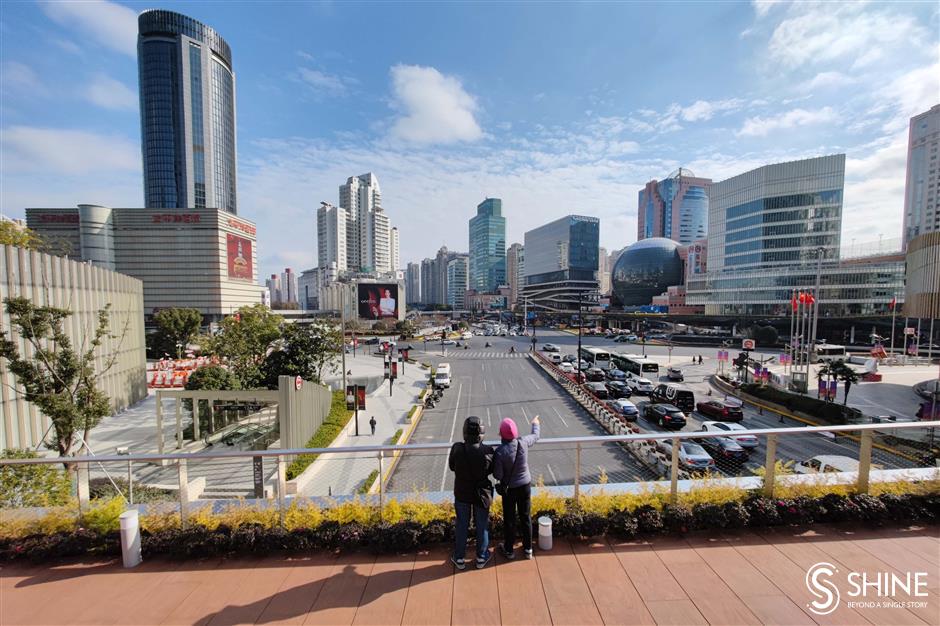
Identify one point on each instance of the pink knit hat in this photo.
(507, 429)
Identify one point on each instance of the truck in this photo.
(442, 375)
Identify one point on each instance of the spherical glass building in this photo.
(646, 269)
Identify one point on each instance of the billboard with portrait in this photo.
(239, 257)
(377, 300)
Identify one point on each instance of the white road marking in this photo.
(535, 384)
(560, 417)
(554, 480)
(525, 416)
(510, 383)
(484, 385)
(488, 421)
(452, 428)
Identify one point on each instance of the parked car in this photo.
(618, 389)
(448, 342)
(595, 375)
(598, 389)
(625, 409)
(577, 377)
(569, 358)
(724, 449)
(583, 365)
(693, 457)
(371, 341)
(467, 335)
(748, 442)
(674, 373)
(621, 339)
(549, 347)
(566, 368)
(825, 463)
(675, 395)
(615, 374)
(639, 385)
(721, 410)
(555, 358)
(666, 415)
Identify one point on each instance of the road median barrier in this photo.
(414, 416)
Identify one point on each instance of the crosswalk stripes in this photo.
(484, 354)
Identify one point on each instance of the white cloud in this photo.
(820, 33)
(324, 84)
(827, 80)
(435, 109)
(704, 110)
(110, 24)
(21, 78)
(69, 152)
(761, 126)
(109, 93)
(763, 7)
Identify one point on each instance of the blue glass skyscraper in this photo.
(187, 113)
(488, 246)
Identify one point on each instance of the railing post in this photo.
(577, 472)
(281, 486)
(381, 482)
(674, 472)
(81, 486)
(864, 462)
(184, 491)
(770, 465)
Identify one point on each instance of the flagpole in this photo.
(792, 323)
(894, 312)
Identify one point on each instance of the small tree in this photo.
(12, 234)
(57, 377)
(406, 328)
(176, 328)
(847, 375)
(765, 336)
(305, 351)
(825, 371)
(32, 485)
(244, 341)
(209, 377)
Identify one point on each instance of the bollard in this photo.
(545, 533)
(130, 538)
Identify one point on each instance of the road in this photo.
(492, 383)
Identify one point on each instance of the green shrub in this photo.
(332, 426)
(367, 483)
(32, 485)
(412, 411)
(397, 436)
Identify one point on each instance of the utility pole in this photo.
(580, 324)
(342, 323)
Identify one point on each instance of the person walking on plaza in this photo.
(471, 461)
(372, 423)
(514, 484)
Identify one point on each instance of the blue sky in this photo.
(556, 108)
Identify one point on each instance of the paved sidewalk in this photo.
(344, 474)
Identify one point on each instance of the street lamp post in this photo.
(580, 324)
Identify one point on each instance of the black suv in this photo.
(618, 389)
(666, 415)
(675, 395)
(595, 375)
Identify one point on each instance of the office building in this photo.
(603, 271)
(772, 230)
(288, 286)
(646, 269)
(205, 259)
(273, 286)
(413, 283)
(84, 289)
(675, 208)
(309, 283)
(515, 271)
(187, 113)
(561, 263)
(393, 251)
(488, 246)
(331, 236)
(427, 281)
(458, 281)
(434, 277)
(922, 187)
(922, 297)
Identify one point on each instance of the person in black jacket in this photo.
(472, 461)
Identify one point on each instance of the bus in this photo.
(637, 365)
(829, 352)
(596, 357)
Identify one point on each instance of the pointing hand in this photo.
(535, 420)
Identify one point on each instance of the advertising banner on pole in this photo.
(833, 386)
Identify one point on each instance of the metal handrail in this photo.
(600, 439)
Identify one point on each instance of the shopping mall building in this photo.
(200, 258)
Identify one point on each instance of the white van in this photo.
(555, 358)
(442, 375)
(826, 463)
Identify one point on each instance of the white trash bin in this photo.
(130, 538)
(545, 533)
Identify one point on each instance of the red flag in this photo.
(793, 301)
(893, 303)
(802, 298)
(810, 299)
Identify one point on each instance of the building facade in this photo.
(200, 258)
(603, 271)
(288, 286)
(84, 289)
(488, 246)
(331, 236)
(187, 113)
(561, 263)
(367, 226)
(309, 283)
(273, 285)
(675, 208)
(922, 187)
(458, 281)
(922, 296)
(393, 250)
(413, 283)
(427, 281)
(515, 271)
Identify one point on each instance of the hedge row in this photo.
(829, 412)
(332, 426)
(197, 541)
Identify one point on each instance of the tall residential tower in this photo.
(922, 189)
(187, 113)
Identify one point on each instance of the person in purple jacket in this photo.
(511, 470)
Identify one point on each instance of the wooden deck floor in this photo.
(746, 578)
